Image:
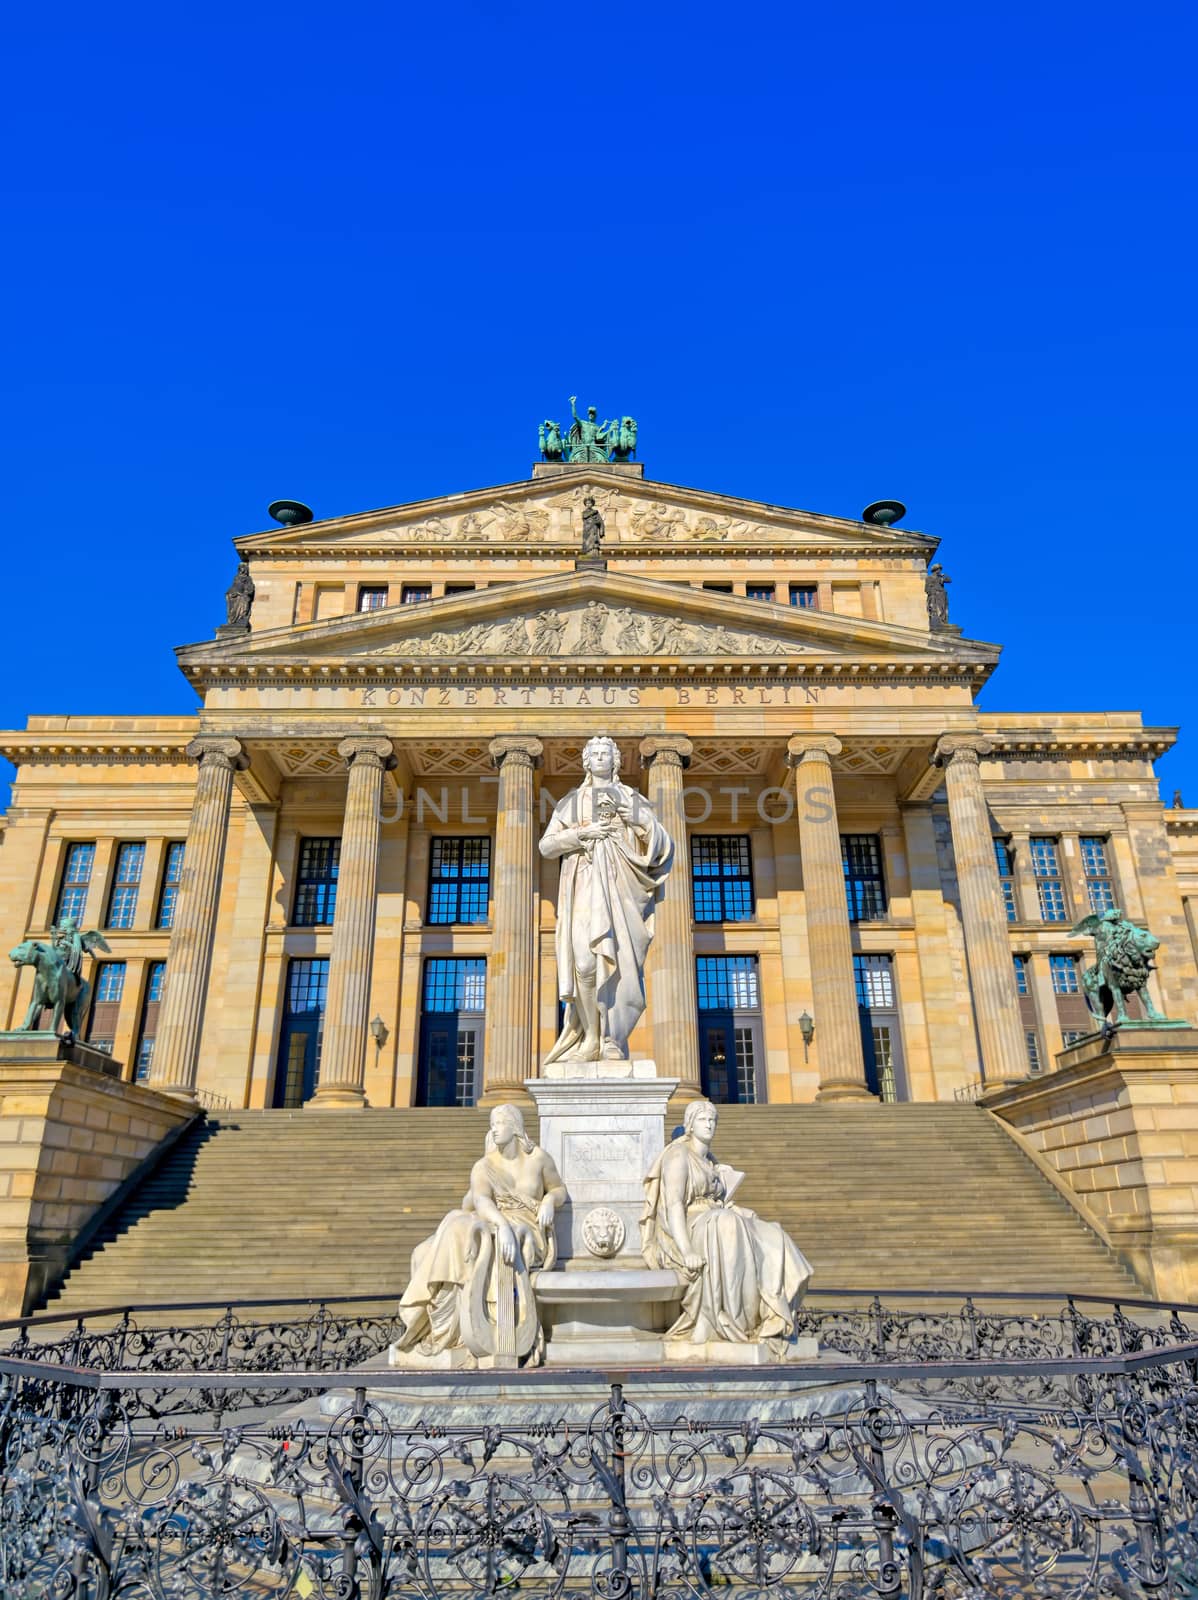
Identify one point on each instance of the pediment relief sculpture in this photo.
(593, 629)
(515, 518)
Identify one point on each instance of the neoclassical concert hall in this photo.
(324, 887)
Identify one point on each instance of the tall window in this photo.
(1021, 983)
(459, 879)
(303, 1030)
(877, 1010)
(731, 1055)
(76, 875)
(155, 979)
(722, 877)
(1033, 1050)
(1072, 1035)
(413, 593)
(1047, 867)
(316, 883)
(1006, 876)
(759, 591)
(110, 987)
(1097, 867)
(805, 596)
(861, 854)
(1064, 974)
(372, 596)
(172, 877)
(122, 907)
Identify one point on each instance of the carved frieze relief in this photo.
(557, 519)
(590, 630)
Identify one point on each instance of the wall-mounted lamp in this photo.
(807, 1029)
(378, 1032)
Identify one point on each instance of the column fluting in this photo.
(508, 1044)
(193, 928)
(983, 916)
(833, 987)
(670, 969)
(341, 1080)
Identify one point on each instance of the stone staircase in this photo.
(303, 1204)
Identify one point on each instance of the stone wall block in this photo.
(1142, 1177)
(65, 1162)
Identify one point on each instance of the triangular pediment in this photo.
(546, 515)
(581, 617)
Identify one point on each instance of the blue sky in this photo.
(824, 254)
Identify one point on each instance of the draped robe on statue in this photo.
(753, 1274)
(609, 889)
(455, 1268)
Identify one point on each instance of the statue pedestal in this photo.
(604, 1133)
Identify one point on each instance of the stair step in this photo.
(266, 1204)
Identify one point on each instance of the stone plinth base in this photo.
(1117, 1124)
(20, 1046)
(606, 1314)
(70, 1136)
(592, 1071)
(724, 1353)
(603, 1134)
(446, 1361)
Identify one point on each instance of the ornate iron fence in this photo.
(979, 1449)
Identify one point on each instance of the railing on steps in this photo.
(212, 1101)
(978, 1449)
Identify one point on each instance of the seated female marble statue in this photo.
(452, 1301)
(744, 1277)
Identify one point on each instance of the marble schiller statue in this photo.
(484, 1251)
(744, 1277)
(615, 856)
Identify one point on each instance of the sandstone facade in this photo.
(414, 679)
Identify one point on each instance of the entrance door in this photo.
(731, 1058)
(881, 1036)
(302, 1031)
(449, 1070)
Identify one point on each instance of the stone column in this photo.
(833, 989)
(340, 1083)
(983, 917)
(673, 1003)
(511, 971)
(189, 956)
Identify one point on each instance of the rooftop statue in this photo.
(744, 1277)
(470, 1297)
(592, 527)
(58, 984)
(239, 597)
(615, 856)
(1124, 960)
(936, 588)
(588, 439)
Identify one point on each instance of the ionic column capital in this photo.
(812, 746)
(964, 749)
(226, 754)
(367, 750)
(522, 749)
(671, 749)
